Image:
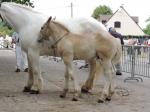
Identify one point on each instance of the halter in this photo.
(54, 46)
(57, 41)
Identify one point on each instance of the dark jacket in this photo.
(117, 35)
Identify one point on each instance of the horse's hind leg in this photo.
(95, 69)
(109, 74)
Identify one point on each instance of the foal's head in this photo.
(46, 31)
(52, 29)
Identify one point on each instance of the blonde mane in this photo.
(61, 26)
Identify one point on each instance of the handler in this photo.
(113, 32)
(21, 58)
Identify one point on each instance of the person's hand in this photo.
(13, 41)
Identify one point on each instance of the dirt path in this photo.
(129, 97)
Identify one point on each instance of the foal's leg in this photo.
(68, 61)
(66, 87)
(89, 82)
(95, 69)
(112, 83)
(108, 75)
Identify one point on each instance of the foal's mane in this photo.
(61, 26)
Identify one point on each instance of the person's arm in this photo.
(14, 38)
(13, 41)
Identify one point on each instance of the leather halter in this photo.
(54, 46)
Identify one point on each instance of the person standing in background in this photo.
(113, 32)
(21, 58)
(1, 42)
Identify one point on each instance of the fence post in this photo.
(133, 66)
(149, 55)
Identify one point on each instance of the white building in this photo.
(123, 23)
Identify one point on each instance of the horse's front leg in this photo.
(27, 88)
(34, 58)
(68, 61)
(95, 69)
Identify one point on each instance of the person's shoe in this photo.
(17, 70)
(26, 70)
(118, 73)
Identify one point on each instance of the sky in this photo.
(85, 8)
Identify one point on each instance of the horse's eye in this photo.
(41, 28)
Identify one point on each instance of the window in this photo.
(117, 24)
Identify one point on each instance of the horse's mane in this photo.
(62, 26)
(21, 6)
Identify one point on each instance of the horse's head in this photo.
(16, 15)
(46, 31)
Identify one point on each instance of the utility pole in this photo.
(71, 6)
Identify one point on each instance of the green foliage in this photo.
(4, 29)
(147, 29)
(25, 2)
(102, 9)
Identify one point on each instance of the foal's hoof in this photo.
(74, 99)
(108, 99)
(83, 90)
(34, 92)
(100, 101)
(26, 89)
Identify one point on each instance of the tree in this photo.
(102, 9)
(25, 2)
(147, 29)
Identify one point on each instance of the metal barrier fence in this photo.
(136, 60)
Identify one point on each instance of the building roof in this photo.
(107, 17)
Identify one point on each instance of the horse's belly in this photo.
(84, 53)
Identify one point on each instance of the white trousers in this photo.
(21, 58)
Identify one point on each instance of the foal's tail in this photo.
(117, 57)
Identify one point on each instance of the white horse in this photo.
(27, 23)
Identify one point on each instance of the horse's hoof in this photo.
(100, 101)
(74, 99)
(26, 89)
(34, 92)
(83, 90)
(62, 96)
(108, 99)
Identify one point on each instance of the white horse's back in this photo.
(80, 25)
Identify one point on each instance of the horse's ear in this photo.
(49, 19)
